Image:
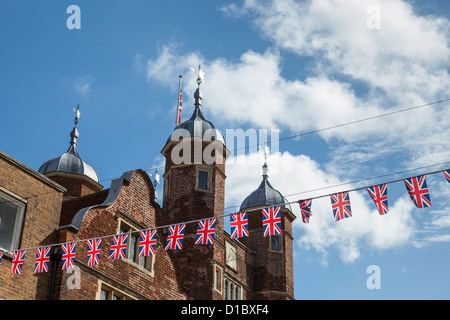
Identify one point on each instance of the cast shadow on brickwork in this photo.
(45, 279)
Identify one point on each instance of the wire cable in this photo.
(254, 209)
(293, 194)
(324, 129)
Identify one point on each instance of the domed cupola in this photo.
(195, 140)
(273, 250)
(70, 171)
(197, 125)
(265, 195)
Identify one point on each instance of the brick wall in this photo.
(273, 271)
(244, 274)
(40, 225)
(76, 185)
(136, 206)
(184, 202)
(177, 274)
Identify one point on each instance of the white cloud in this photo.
(169, 65)
(82, 84)
(252, 91)
(401, 65)
(407, 58)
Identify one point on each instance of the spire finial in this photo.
(266, 155)
(198, 94)
(74, 134)
(200, 74)
(77, 114)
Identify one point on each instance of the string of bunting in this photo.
(340, 202)
(271, 219)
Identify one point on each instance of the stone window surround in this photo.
(21, 203)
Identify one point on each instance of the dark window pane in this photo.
(275, 243)
(202, 180)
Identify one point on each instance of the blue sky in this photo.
(284, 66)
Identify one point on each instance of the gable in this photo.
(132, 194)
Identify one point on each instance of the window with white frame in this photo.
(218, 278)
(11, 219)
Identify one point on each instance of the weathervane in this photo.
(77, 114)
(266, 151)
(200, 74)
(197, 93)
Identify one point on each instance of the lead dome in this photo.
(70, 161)
(197, 125)
(265, 195)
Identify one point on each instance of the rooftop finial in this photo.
(200, 77)
(74, 134)
(200, 74)
(266, 155)
(77, 114)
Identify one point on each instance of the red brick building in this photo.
(64, 202)
(30, 206)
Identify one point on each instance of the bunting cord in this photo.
(322, 129)
(360, 180)
(373, 178)
(254, 209)
(293, 194)
(363, 120)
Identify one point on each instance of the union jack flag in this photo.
(305, 209)
(205, 231)
(118, 246)
(447, 174)
(1, 256)
(93, 251)
(380, 197)
(340, 203)
(175, 237)
(42, 259)
(271, 221)
(418, 191)
(239, 225)
(147, 242)
(68, 255)
(17, 261)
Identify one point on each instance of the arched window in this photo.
(231, 291)
(226, 289)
